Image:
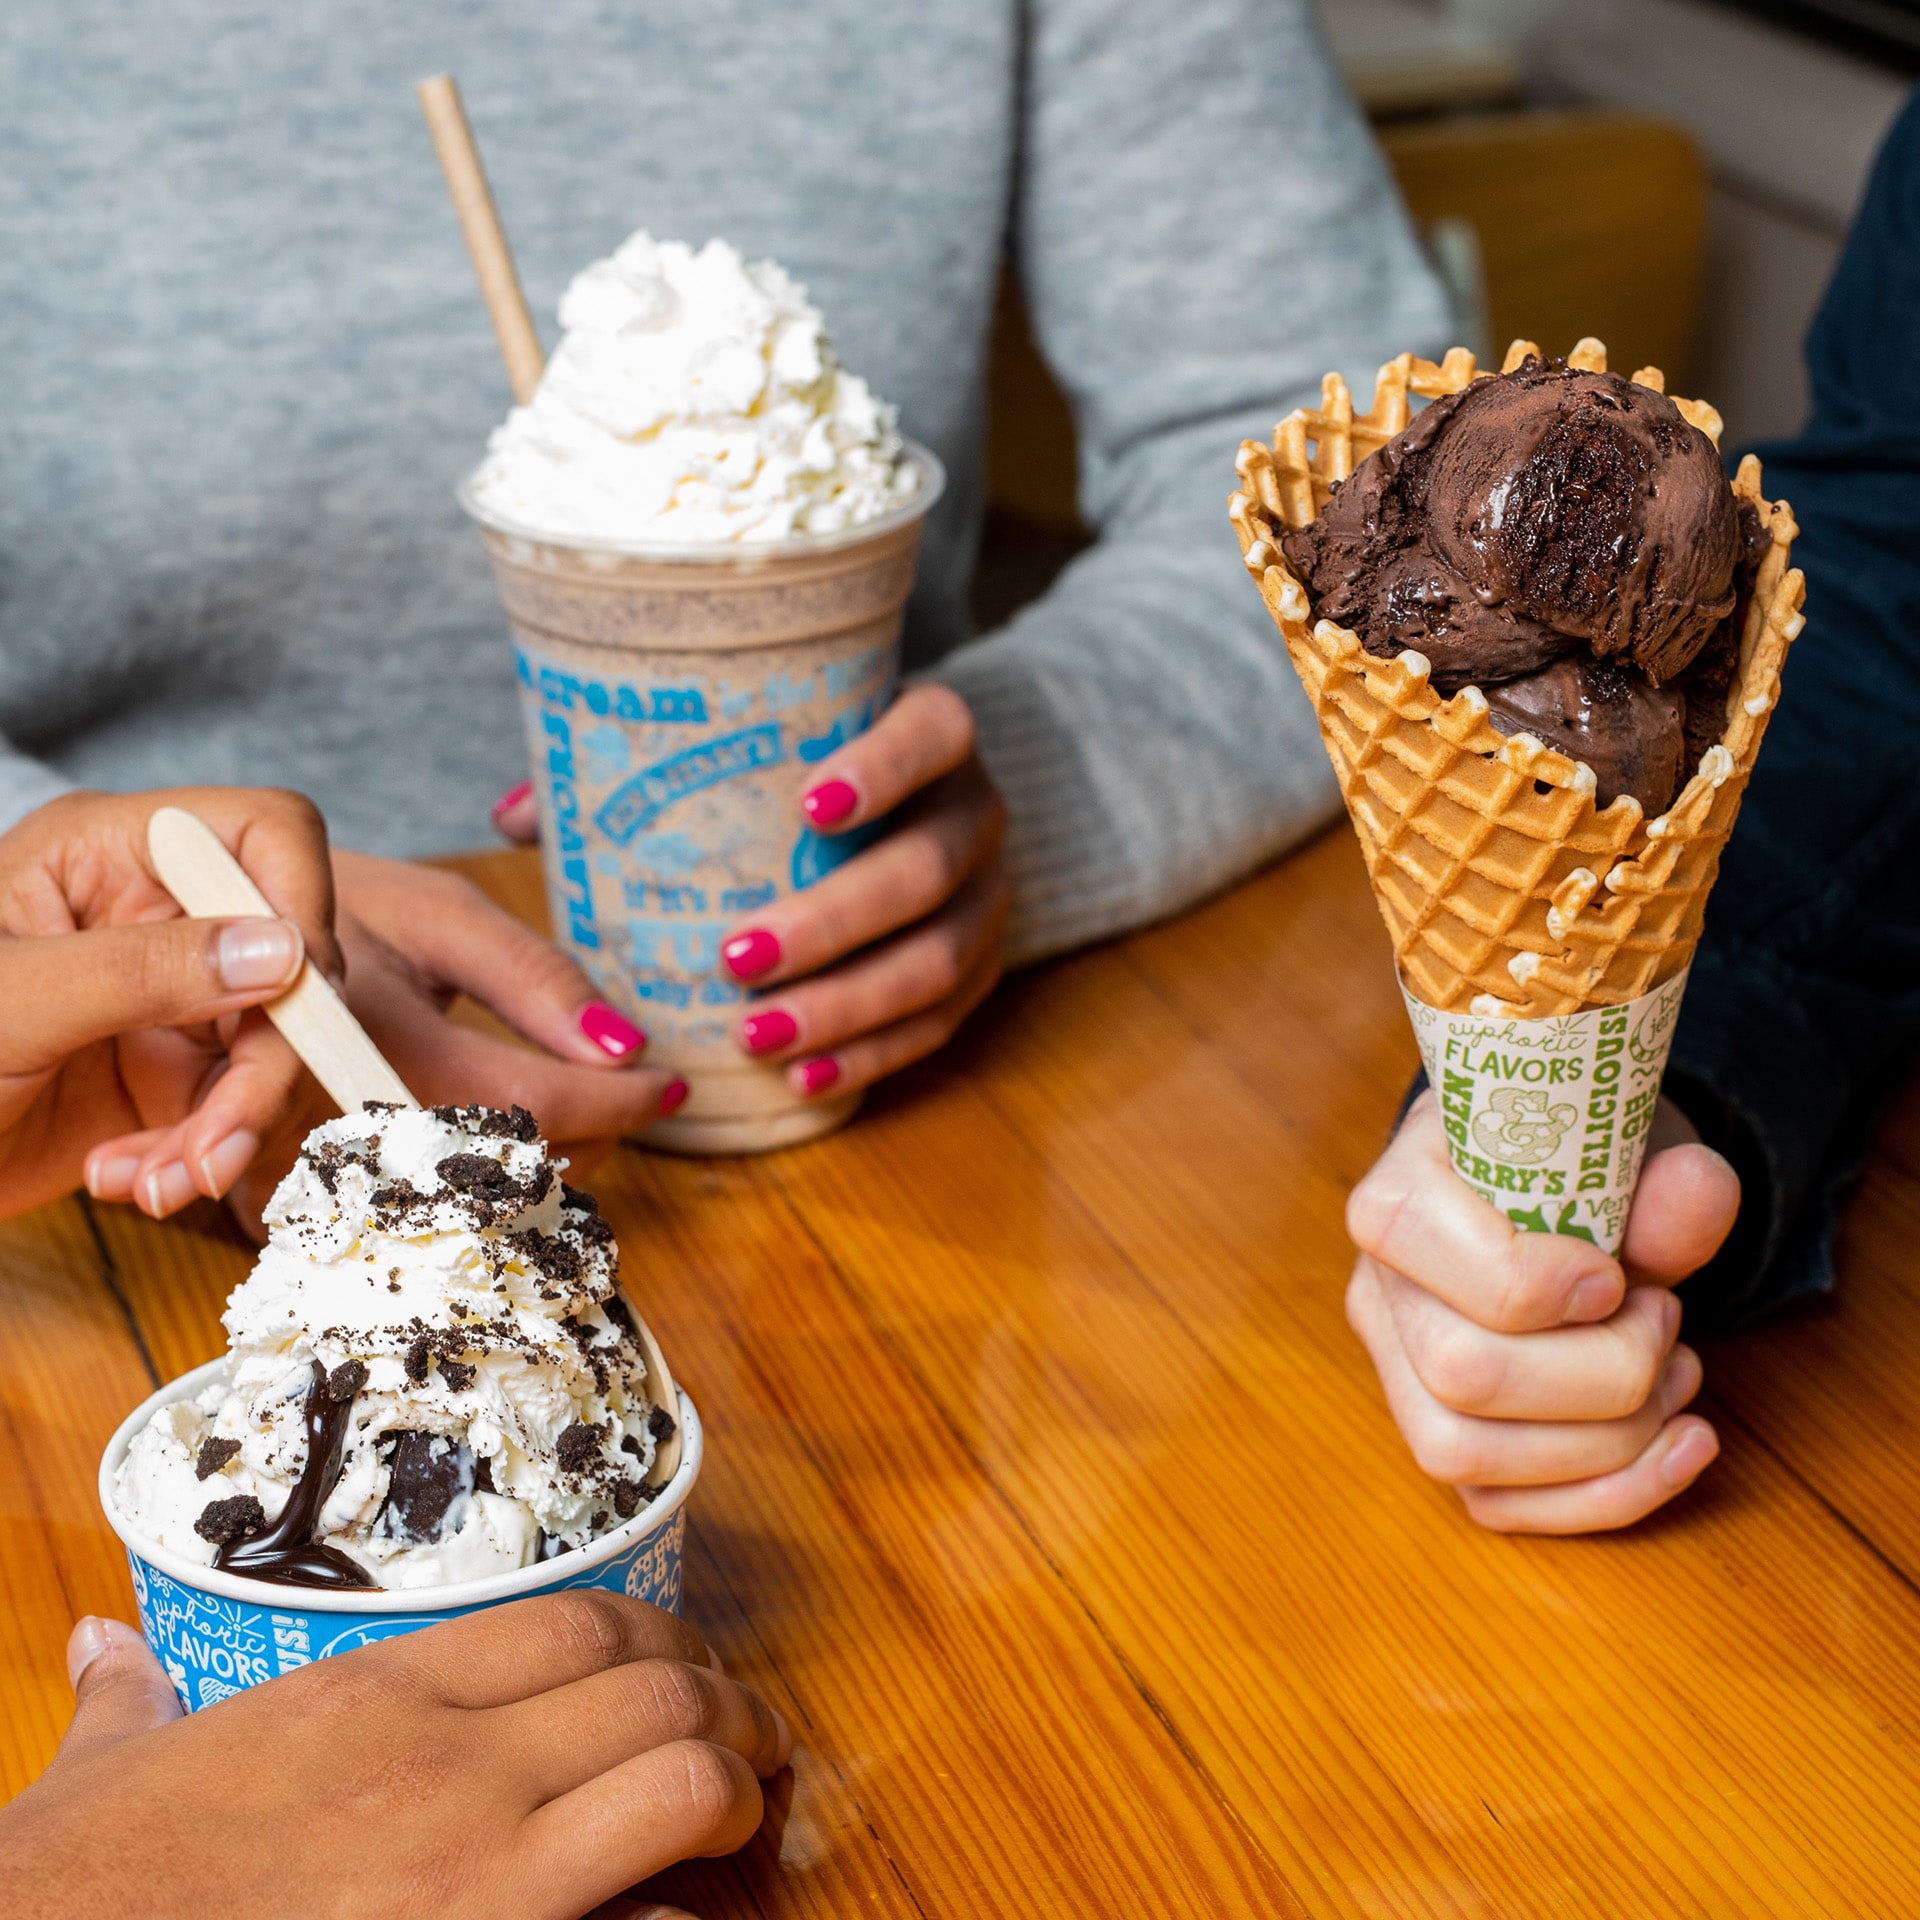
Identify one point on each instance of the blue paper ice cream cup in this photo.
(217, 1633)
(678, 701)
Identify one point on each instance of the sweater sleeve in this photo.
(1203, 227)
(25, 784)
(1803, 1010)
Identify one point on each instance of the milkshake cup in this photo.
(677, 702)
(218, 1633)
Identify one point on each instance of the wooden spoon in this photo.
(210, 884)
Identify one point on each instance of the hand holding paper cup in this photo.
(1558, 603)
(435, 1399)
(435, 1396)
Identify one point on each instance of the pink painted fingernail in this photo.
(750, 954)
(613, 1033)
(768, 1032)
(816, 1076)
(513, 797)
(830, 802)
(674, 1098)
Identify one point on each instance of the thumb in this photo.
(77, 988)
(120, 1689)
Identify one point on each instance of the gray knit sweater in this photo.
(245, 366)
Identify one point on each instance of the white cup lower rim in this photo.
(933, 483)
(518, 1584)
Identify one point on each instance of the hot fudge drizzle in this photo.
(286, 1552)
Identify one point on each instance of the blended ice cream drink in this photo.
(433, 1389)
(704, 532)
(1542, 634)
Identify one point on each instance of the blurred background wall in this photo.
(1783, 103)
(1673, 176)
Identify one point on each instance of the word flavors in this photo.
(1547, 1120)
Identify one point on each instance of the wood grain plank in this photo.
(1235, 1233)
(175, 1277)
(1833, 1389)
(816, 1853)
(990, 1736)
(69, 1371)
(1289, 977)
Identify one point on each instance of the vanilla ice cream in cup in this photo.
(217, 1633)
(435, 1400)
(704, 531)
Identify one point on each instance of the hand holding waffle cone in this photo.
(1542, 942)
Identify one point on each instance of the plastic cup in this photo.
(218, 1633)
(677, 701)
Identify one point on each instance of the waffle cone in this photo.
(1506, 890)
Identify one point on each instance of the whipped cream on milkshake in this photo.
(432, 1376)
(695, 399)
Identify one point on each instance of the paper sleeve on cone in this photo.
(1547, 1120)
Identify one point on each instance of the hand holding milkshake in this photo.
(704, 533)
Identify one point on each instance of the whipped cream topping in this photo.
(695, 399)
(434, 1267)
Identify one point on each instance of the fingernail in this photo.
(1594, 1298)
(830, 802)
(748, 955)
(112, 1179)
(1679, 1379)
(257, 953)
(613, 1033)
(513, 797)
(768, 1032)
(782, 1738)
(223, 1163)
(1689, 1453)
(674, 1098)
(816, 1076)
(167, 1189)
(91, 1637)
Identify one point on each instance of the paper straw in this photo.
(486, 240)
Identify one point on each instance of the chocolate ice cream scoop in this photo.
(1631, 733)
(1531, 516)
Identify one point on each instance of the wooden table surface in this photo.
(1048, 1494)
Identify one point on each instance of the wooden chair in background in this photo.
(1588, 223)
